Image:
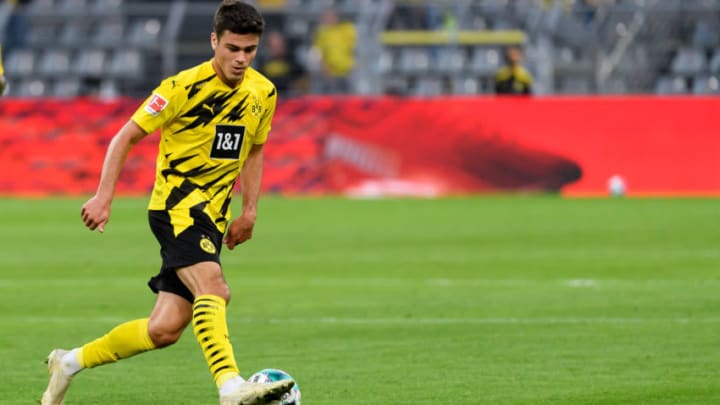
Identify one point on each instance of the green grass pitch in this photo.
(488, 300)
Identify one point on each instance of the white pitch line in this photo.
(240, 281)
(386, 321)
(490, 321)
(71, 282)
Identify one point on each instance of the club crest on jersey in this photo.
(156, 104)
(256, 106)
(207, 245)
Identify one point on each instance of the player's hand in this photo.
(95, 213)
(239, 231)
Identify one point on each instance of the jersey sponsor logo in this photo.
(227, 142)
(156, 104)
(207, 246)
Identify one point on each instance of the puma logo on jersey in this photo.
(207, 107)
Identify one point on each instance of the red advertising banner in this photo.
(395, 146)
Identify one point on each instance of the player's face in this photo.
(233, 54)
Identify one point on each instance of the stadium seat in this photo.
(452, 60)
(503, 24)
(386, 61)
(550, 19)
(688, 62)
(20, 63)
(145, 33)
(466, 86)
(31, 88)
(493, 7)
(110, 33)
(715, 62)
(485, 61)
(302, 54)
(615, 86)
(362, 86)
(126, 63)
(66, 88)
(107, 7)
(669, 85)
(108, 90)
(74, 34)
(705, 35)
(41, 7)
(55, 62)
(396, 85)
(706, 85)
(428, 87)
(298, 27)
(91, 63)
(41, 34)
(473, 22)
(72, 8)
(566, 55)
(575, 85)
(414, 60)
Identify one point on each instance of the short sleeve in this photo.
(162, 106)
(265, 122)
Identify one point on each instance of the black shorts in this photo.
(201, 242)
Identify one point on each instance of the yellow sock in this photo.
(125, 340)
(211, 331)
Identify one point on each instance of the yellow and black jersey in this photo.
(513, 80)
(336, 44)
(207, 131)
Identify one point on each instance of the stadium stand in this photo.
(408, 47)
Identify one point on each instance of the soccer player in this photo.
(214, 120)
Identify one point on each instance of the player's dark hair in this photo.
(237, 17)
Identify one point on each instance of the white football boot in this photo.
(249, 393)
(59, 379)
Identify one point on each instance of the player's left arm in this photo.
(240, 230)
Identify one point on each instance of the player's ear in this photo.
(213, 40)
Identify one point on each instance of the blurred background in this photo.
(66, 48)
(603, 91)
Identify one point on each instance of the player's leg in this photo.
(190, 246)
(207, 283)
(169, 317)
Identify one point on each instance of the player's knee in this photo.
(224, 293)
(163, 336)
(220, 288)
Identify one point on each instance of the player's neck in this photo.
(221, 76)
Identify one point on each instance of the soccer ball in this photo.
(269, 375)
(616, 186)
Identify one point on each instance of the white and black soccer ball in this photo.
(269, 375)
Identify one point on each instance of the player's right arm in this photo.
(96, 211)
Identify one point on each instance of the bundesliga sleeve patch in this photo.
(156, 104)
